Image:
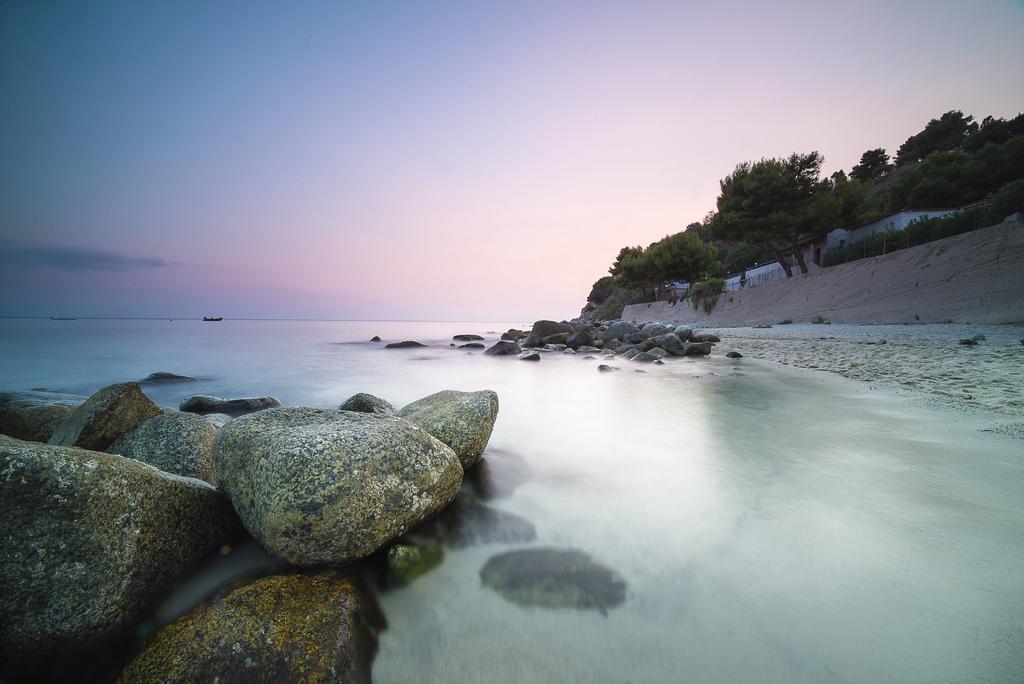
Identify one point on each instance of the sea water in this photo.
(768, 524)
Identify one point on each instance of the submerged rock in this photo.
(35, 415)
(92, 540)
(178, 443)
(406, 562)
(367, 403)
(105, 416)
(467, 338)
(164, 376)
(969, 342)
(472, 345)
(204, 403)
(284, 628)
(329, 487)
(497, 474)
(734, 355)
(503, 348)
(462, 420)
(407, 344)
(554, 578)
(467, 522)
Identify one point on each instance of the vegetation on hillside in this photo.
(765, 207)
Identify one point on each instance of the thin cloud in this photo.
(78, 259)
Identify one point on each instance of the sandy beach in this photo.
(927, 360)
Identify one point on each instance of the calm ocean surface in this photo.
(770, 525)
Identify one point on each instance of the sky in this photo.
(430, 161)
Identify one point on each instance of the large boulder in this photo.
(544, 329)
(283, 628)
(655, 329)
(512, 334)
(204, 403)
(367, 403)
(328, 487)
(583, 338)
(91, 540)
(179, 443)
(671, 343)
(532, 341)
(618, 331)
(35, 415)
(105, 416)
(503, 348)
(698, 349)
(462, 420)
(705, 337)
(557, 338)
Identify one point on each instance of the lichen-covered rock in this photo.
(367, 403)
(217, 420)
(204, 403)
(283, 628)
(105, 416)
(35, 415)
(503, 348)
(554, 578)
(178, 443)
(328, 487)
(462, 420)
(91, 540)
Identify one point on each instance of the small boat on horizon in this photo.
(213, 318)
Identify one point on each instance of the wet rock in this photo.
(671, 343)
(105, 416)
(328, 487)
(462, 420)
(92, 540)
(655, 329)
(657, 352)
(705, 337)
(589, 358)
(204, 403)
(503, 348)
(367, 403)
(283, 628)
(375, 338)
(969, 342)
(698, 349)
(683, 332)
(472, 345)
(644, 357)
(512, 334)
(35, 415)
(164, 376)
(467, 522)
(178, 443)
(734, 355)
(466, 338)
(638, 370)
(568, 350)
(634, 338)
(630, 354)
(605, 368)
(587, 350)
(555, 347)
(557, 338)
(530, 356)
(532, 340)
(544, 329)
(618, 330)
(407, 344)
(554, 578)
(583, 338)
(406, 562)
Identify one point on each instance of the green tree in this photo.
(874, 164)
(625, 254)
(601, 289)
(774, 203)
(948, 132)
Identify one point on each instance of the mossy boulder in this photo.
(367, 403)
(315, 486)
(462, 420)
(406, 562)
(92, 540)
(179, 443)
(35, 415)
(284, 628)
(554, 578)
(105, 416)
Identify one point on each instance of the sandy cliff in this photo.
(976, 277)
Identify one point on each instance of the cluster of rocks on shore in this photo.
(109, 501)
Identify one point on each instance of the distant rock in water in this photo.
(467, 522)
(92, 540)
(462, 420)
(466, 338)
(530, 355)
(503, 348)
(554, 578)
(734, 355)
(375, 338)
(178, 443)
(164, 376)
(105, 416)
(605, 368)
(969, 342)
(35, 415)
(407, 344)
(472, 345)
(283, 628)
(367, 403)
(204, 403)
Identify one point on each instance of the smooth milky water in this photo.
(768, 524)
